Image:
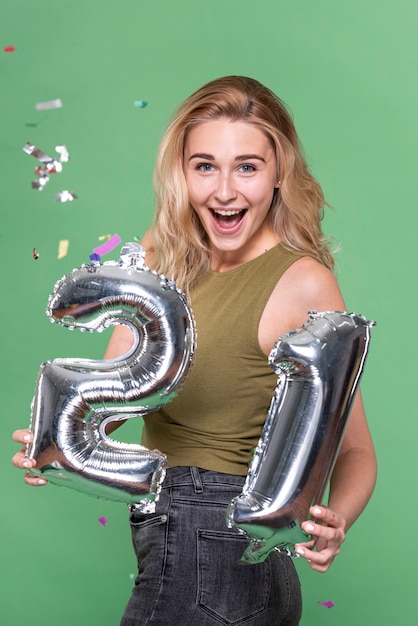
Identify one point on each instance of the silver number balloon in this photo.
(76, 398)
(319, 367)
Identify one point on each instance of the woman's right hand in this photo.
(21, 461)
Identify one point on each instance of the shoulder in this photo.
(308, 281)
(149, 244)
(305, 286)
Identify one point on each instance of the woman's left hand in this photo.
(327, 529)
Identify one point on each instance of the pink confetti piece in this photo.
(108, 246)
(9, 49)
(328, 604)
(102, 520)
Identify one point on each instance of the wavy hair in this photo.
(181, 248)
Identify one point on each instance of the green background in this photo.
(348, 70)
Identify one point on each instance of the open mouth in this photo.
(228, 219)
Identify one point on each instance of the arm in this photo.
(354, 475)
(351, 486)
(305, 286)
(122, 338)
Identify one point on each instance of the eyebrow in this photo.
(242, 157)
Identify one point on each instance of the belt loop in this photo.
(197, 481)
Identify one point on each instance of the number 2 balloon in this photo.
(319, 368)
(76, 398)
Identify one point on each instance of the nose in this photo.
(225, 189)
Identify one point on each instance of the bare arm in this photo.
(309, 286)
(351, 487)
(122, 338)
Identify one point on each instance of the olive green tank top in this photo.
(215, 421)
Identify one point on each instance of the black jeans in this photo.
(189, 570)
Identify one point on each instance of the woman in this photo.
(237, 225)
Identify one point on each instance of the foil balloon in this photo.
(319, 367)
(76, 398)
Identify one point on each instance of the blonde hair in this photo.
(181, 248)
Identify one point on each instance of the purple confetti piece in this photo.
(102, 520)
(328, 604)
(108, 246)
(94, 257)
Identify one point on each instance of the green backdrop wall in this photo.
(348, 70)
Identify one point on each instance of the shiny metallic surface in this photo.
(49, 165)
(76, 398)
(319, 367)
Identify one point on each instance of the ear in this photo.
(278, 184)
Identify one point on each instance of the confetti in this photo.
(49, 104)
(65, 196)
(63, 248)
(94, 257)
(43, 178)
(108, 246)
(137, 239)
(29, 148)
(102, 237)
(328, 604)
(35, 254)
(63, 152)
(9, 49)
(49, 165)
(140, 104)
(102, 520)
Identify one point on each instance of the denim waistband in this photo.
(198, 477)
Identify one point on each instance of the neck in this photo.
(224, 261)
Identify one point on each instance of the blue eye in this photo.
(247, 169)
(205, 167)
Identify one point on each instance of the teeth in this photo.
(227, 212)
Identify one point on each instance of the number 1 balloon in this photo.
(76, 398)
(319, 367)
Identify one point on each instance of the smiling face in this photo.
(231, 174)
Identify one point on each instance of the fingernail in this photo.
(41, 481)
(25, 464)
(300, 550)
(317, 510)
(309, 527)
(26, 438)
